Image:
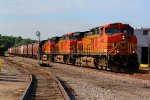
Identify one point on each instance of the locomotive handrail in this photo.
(113, 49)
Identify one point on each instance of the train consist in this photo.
(112, 46)
(30, 50)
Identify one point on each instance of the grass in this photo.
(144, 65)
(1, 64)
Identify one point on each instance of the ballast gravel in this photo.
(93, 84)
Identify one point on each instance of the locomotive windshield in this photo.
(127, 30)
(72, 38)
(111, 31)
(54, 40)
(62, 38)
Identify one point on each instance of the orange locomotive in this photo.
(110, 46)
(46, 49)
(58, 49)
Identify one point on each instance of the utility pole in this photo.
(38, 34)
(148, 50)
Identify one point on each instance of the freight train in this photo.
(111, 46)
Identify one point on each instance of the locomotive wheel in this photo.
(74, 62)
(96, 62)
(101, 63)
(55, 59)
(67, 60)
(52, 59)
(78, 62)
(49, 62)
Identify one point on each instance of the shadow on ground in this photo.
(143, 71)
(5, 77)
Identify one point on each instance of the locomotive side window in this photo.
(72, 38)
(79, 35)
(63, 38)
(88, 33)
(54, 39)
(111, 31)
(95, 31)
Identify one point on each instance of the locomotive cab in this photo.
(66, 43)
(122, 38)
(78, 35)
(53, 41)
(66, 47)
(47, 48)
(122, 47)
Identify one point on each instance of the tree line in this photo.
(10, 41)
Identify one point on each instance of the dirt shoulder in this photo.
(12, 81)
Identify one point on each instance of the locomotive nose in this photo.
(126, 37)
(126, 46)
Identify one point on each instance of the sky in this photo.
(57, 17)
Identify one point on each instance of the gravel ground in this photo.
(12, 82)
(92, 84)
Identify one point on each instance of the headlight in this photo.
(123, 37)
(133, 51)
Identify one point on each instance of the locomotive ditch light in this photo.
(133, 51)
(117, 51)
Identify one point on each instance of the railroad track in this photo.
(100, 84)
(43, 85)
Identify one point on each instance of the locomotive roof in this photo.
(80, 33)
(118, 25)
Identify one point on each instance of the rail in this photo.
(29, 86)
(26, 92)
(66, 97)
(63, 91)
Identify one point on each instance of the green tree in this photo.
(18, 40)
(10, 41)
